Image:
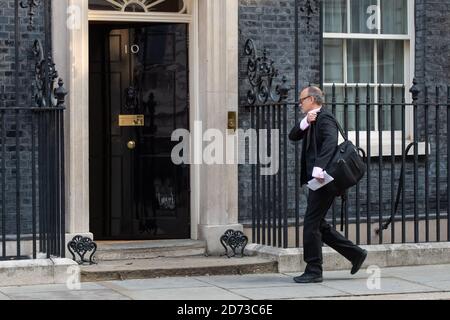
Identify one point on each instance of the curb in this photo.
(387, 255)
(37, 272)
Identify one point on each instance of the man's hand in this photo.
(312, 117)
(318, 174)
(320, 180)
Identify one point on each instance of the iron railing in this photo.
(405, 194)
(32, 202)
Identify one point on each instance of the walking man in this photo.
(319, 127)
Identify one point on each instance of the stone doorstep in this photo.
(388, 255)
(36, 272)
(176, 267)
(129, 250)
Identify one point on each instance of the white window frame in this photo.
(409, 63)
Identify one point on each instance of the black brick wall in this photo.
(433, 42)
(22, 98)
(432, 61)
(432, 70)
(271, 25)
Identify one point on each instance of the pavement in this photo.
(418, 282)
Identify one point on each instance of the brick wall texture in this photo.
(17, 190)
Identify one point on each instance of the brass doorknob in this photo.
(131, 145)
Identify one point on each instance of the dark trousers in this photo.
(316, 230)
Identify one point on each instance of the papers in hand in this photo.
(314, 184)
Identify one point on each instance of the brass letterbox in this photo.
(131, 120)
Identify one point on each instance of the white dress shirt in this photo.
(317, 172)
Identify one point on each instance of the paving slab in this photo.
(387, 286)
(71, 295)
(158, 283)
(419, 274)
(441, 285)
(48, 288)
(249, 281)
(402, 296)
(205, 293)
(288, 292)
(4, 297)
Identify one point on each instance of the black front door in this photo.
(139, 95)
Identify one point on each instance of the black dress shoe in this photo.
(308, 278)
(358, 263)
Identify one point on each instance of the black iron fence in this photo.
(32, 182)
(403, 197)
(32, 216)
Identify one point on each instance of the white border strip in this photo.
(96, 15)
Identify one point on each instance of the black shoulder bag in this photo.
(347, 167)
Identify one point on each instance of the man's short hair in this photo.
(317, 94)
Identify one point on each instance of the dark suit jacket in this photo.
(326, 136)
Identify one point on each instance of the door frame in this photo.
(101, 217)
(78, 18)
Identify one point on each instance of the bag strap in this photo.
(343, 210)
(314, 134)
(340, 129)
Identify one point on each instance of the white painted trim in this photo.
(77, 129)
(194, 81)
(77, 142)
(366, 36)
(345, 57)
(97, 15)
(375, 79)
(361, 85)
(349, 22)
(412, 66)
(61, 59)
(379, 17)
(145, 5)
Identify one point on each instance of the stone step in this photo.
(130, 250)
(175, 267)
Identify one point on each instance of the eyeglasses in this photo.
(303, 99)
